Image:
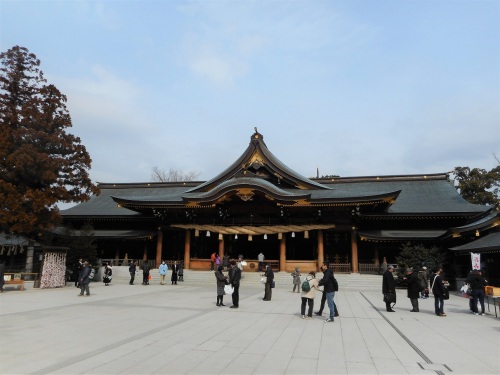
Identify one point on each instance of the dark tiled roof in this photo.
(486, 243)
(401, 235)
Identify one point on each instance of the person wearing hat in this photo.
(424, 283)
(413, 288)
(389, 288)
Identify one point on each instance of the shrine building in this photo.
(259, 204)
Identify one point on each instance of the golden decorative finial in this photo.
(255, 128)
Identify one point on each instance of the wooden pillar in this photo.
(377, 261)
(117, 256)
(321, 249)
(187, 249)
(145, 253)
(159, 247)
(354, 250)
(283, 253)
(221, 249)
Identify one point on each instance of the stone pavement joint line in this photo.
(414, 347)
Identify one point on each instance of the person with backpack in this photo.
(145, 273)
(309, 287)
(85, 279)
(328, 283)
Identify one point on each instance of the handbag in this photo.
(228, 289)
(446, 294)
(263, 280)
(390, 297)
(273, 284)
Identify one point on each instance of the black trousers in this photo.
(268, 292)
(310, 302)
(236, 295)
(132, 278)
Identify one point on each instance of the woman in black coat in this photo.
(268, 292)
(221, 282)
(413, 288)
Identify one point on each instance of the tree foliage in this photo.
(159, 175)
(478, 185)
(40, 163)
(417, 255)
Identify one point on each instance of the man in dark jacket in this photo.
(234, 280)
(413, 288)
(329, 289)
(131, 269)
(389, 288)
(77, 272)
(85, 279)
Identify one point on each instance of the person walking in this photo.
(145, 273)
(296, 280)
(234, 280)
(328, 284)
(268, 286)
(322, 306)
(307, 296)
(163, 271)
(107, 274)
(221, 283)
(261, 258)
(438, 291)
(477, 284)
(180, 274)
(413, 288)
(85, 279)
(175, 270)
(424, 283)
(389, 288)
(131, 269)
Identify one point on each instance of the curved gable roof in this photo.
(258, 156)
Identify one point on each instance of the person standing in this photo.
(217, 262)
(225, 261)
(413, 288)
(145, 273)
(2, 274)
(261, 258)
(77, 271)
(389, 288)
(307, 297)
(438, 291)
(477, 284)
(322, 306)
(107, 274)
(175, 270)
(131, 269)
(221, 282)
(163, 271)
(85, 279)
(234, 280)
(212, 261)
(268, 291)
(296, 280)
(329, 289)
(180, 274)
(424, 283)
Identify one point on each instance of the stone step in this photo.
(282, 279)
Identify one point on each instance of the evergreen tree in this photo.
(478, 185)
(417, 255)
(40, 163)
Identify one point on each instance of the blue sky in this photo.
(354, 88)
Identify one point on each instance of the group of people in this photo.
(177, 270)
(233, 278)
(418, 287)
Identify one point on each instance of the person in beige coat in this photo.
(308, 296)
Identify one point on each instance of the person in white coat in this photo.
(308, 296)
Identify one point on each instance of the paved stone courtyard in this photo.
(155, 329)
